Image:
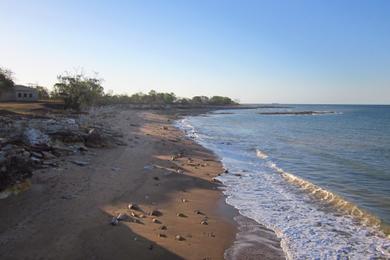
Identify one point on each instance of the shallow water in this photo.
(321, 182)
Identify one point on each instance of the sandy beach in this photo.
(178, 211)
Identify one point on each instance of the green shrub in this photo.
(78, 91)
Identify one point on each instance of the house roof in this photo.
(23, 88)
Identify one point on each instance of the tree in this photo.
(6, 81)
(221, 101)
(43, 93)
(78, 90)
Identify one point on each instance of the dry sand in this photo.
(66, 213)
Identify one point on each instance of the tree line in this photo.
(78, 90)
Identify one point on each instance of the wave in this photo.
(261, 154)
(297, 113)
(329, 198)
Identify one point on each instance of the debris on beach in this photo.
(30, 142)
(80, 163)
(163, 228)
(198, 212)
(156, 221)
(179, 238)
(155, 213)
(133, 206)
(114, 221)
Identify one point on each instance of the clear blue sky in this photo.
(292, 51)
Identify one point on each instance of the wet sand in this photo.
(66, 213)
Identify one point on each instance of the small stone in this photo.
(184, 200)
(226, 171)
(156, 221)
(162, 235)
(163, 228)
(179, 238)
(181, 215)
(204, 222)
(122, 216)
(80, 163)
(114, 221)
(37, 155)
(156, 178)
(155, 213)
(216, 181)
(48, 155)
(141, 216)
(133, 214)
(133, 206)
(198, 212)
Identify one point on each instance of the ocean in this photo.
(320, 179)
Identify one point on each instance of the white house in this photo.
(19, 93)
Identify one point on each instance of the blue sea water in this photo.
(321, 181)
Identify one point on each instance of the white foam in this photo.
(261, 155)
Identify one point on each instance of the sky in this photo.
(261, 51)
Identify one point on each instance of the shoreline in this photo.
(79, 202)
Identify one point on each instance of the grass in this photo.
(32, 108)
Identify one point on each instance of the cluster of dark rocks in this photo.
(28, 143)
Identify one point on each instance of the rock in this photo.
(2, 157)
(122, 217)
(133, 206)
(184, 200)
(94, 139)
(163, 228)
(156, 221)
(114, 221)
(181, 215)
(25, 154)
(155, 213)
(226, 171)
(7, 148)
(61, 150)
(67, 197)
(37, 155)
(204, 222)
(34, 136)
(80, 163)
(216, 181)
(48, 155)
(198, 212)
(179, 238)
(162, 235)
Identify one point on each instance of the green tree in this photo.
(78, 90)
(6, 81)
(221, 101)
(43, 93)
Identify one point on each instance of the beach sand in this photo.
(66, 213)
